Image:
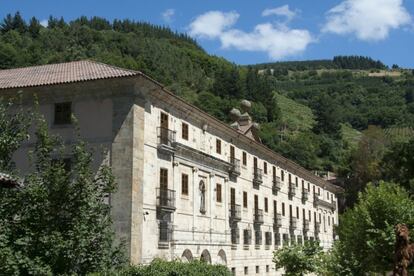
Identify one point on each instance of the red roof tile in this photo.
(76, 71)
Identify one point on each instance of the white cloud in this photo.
(281, 11)
(168, 15)
(44, 23)
(277, 40)
(212, 24)
(369, 20)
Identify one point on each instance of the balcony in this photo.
(292, 189)
(305, 225)
(257, 177)
(293, 223)
(305, 195)
(277, 185)
(166, 200)
(319, 202)
(277, 221)
(258, 216)
(166, 140)
(235, 167)
(235, 212)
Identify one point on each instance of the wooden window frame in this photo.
(219, 196)
(218, 146)
(184, 131)
(62, 113)
(184, 184)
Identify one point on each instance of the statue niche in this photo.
(202, 188)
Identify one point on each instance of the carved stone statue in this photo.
(404, 250)
(202, 188)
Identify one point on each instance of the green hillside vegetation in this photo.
(304, 121)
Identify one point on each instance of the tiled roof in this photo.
(7, 182)
(76, 71)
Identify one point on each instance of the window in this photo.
(274, 172)
(184, 131)
(297, 212)
(283, 208)
(265, 167)
(282, 175)
(274, 207)
(246, 270)
(184, 184)
(308, 187)
(296, 181)
(265, 205)
(329, 221)
(267, 268)
(268, 238)
(218, 146)
(63, 113)
(218, 192)
(310, 215)
(277, 238)
(258, 237)
(164, 179)
(257, 269)
(233, 271)
(319, 191)
(245, 199)
(247, 236)
(244, 158)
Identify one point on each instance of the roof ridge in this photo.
(112, 66)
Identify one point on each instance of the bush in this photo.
(298, 259)
(160, 267)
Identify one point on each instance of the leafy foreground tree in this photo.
(160, 267)
(298, 259)
(58, 223)
(367, 230)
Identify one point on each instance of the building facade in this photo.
(189, 186)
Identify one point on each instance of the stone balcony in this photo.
(292, 189)
(235, 212)
(166, 200)
(257, 178)
(305, 195)
(258, 216)
(166, 140)
(277, 185)
(277, 221)
(235, 166)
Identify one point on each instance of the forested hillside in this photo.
(314, 112)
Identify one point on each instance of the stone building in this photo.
(190, 186)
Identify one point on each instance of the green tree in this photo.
(367, 230)
(398, 165)
(59, 221)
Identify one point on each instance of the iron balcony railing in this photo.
(165, 136)
(293, 223)
(305, 194)
(277, 184)
(277, 220)
(257, 176)
(166, 198)
(305, 225)
(235, 212)
(235, 166)
(292, 189)
(258, 216)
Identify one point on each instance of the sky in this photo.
(250, 32)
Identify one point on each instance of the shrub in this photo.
(160, 267)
